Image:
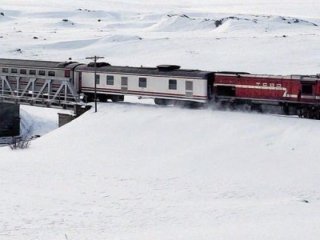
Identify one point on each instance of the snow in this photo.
(39, 121)
(139, 171)
(183, 33)
(162, 180)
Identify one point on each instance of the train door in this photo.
(307, 90)
(79, 81)
(210, 88)
(189, 89)
(124, 84)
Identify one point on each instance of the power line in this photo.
(95, 58)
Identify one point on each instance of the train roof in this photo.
(33, 63)
(300, 77)
(161, 70)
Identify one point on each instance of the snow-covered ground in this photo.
(138, 171)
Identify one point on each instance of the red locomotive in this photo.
(296, 94)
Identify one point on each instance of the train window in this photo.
(42, 72)
(51, 73)
(229, 91)
(5, 70)
(265, 84)
(307, 89)
(110, 80)
(23, 71)
(142, 82)
(32, 72)
(278, 85)
(172, 84)
(189, 85)
(14, 70)
(97, 79)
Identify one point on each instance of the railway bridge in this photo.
(44, 91)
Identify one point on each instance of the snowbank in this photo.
(135, 171)
(165, 173)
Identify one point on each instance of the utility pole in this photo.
(95, 58)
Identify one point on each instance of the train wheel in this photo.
(117, 98)
(317, 114)
(246, 107)
(286, 109)
(189, 104)
(102, 98)
(160, 101)
(256, 108)
(306, 113)
(89, 97)
(196, 105)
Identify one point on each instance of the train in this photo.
(168, 85)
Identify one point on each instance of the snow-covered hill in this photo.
(138, 171)
(255, 36)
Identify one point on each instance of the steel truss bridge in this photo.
(45, 91)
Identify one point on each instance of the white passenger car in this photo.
(166, 84)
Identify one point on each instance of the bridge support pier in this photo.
(9, 120)
(78, 110)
